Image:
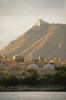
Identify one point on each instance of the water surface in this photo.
(32, 95)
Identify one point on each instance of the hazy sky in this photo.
(16, 16)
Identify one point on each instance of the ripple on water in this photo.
(32, 95)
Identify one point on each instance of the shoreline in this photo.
(47, 88)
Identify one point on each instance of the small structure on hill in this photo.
(41, 22)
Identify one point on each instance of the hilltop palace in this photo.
(41, 22)
(20, 67)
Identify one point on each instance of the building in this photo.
(18, 58)
(18, 66)
(41, 22)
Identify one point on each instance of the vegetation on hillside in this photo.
(35, 79)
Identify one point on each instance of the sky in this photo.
(17, 16)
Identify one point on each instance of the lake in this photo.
(33, 95)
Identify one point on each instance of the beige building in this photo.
(18, 66)
(41, 22)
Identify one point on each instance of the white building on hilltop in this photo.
(40, 22)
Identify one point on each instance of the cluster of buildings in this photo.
(20, 67)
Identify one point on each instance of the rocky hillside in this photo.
(46, 40)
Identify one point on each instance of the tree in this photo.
(41, 81)
(3, 81)
(56, 78)
(12, 80)
(63, 82)
(31, 79)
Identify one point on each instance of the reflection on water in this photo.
(32, 95)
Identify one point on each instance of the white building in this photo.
(40, 22)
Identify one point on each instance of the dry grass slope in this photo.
(48, 41)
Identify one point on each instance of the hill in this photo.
(46, 40)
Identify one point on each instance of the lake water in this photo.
(32, 95)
